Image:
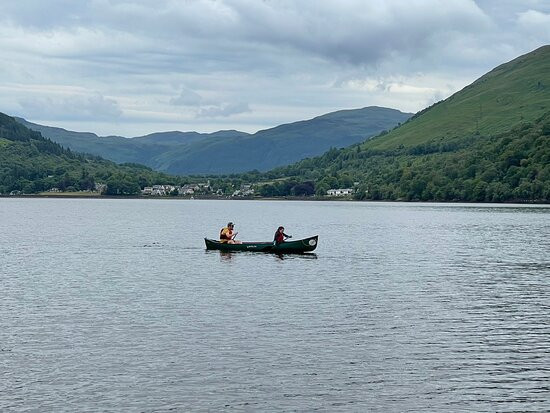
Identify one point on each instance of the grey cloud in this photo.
(361, 32)
(187, 97)
(506, 11)
(291, 58)
(75, 107)
(244, 34)
(356, 32)
(535, 23)
(223, 110)
(44, 15)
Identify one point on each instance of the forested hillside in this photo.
(512, 166)
(30, 163)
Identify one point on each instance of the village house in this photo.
(189, 189)
(166, 190)
(340, 192)
(204, 187)
(99, 187)
(246, 190)
(158, 190)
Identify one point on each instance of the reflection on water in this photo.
(229, 255)
(114, 305)
(225, 256)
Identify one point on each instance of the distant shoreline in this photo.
(216, 198)
(180, 198)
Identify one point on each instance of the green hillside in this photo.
(30, 163)
(488, 142)
(233, 151)
(514, 92)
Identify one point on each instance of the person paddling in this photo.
(227, 235)
(280, 236)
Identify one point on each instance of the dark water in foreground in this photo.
(114, 305)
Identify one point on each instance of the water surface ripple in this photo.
(114, 305)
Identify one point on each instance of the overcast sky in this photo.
(134, 67)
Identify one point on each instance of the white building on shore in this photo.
(340, 192)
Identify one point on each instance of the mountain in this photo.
(31, 163)
(487, 142)
(233, 151)
(142, 149)
(283, 144)
(517, 91)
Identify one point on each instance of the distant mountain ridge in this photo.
(233, 151)
(119, 149)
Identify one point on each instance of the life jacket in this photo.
(225, 234)
(279, 237)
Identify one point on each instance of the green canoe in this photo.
(287, 247)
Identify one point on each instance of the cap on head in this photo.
(230, 224)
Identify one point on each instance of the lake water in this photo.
(114, 305)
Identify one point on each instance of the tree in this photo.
(86, 181)
(122, 185)
(268, 191)
(321, 189)
(303, 189)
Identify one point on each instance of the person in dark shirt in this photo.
(280, 236)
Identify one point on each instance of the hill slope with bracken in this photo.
(487, 142)
(514, 92)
